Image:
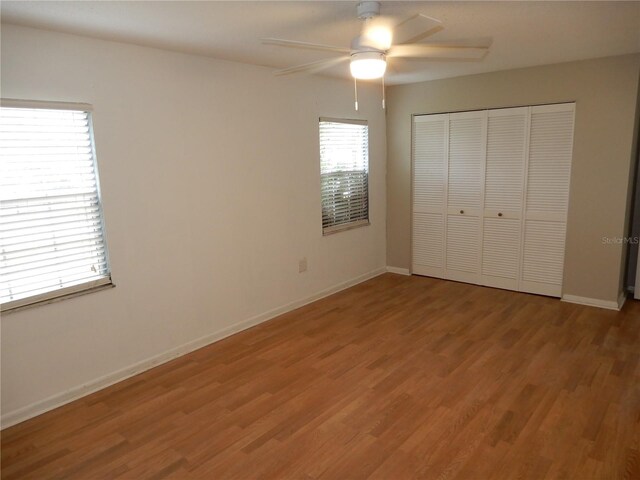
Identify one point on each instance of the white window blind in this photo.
(344, 168)
(51, 229)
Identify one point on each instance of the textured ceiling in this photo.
(523, 33)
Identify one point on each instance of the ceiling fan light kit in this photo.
(379, 42)
(368, 65)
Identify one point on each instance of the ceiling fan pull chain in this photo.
(355, 89)
(384, 104)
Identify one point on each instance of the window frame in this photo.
(99, 284)
(356, 223)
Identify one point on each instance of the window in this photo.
(344, 170)
(51, 229)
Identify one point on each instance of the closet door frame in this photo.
(636, 289)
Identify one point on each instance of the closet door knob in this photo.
(461, 211)
(500, 214)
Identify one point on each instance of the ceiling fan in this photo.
(380, 42)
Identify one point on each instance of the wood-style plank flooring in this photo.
(398, 377)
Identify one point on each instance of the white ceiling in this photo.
(524, 33)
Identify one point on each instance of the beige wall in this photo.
(634, 209)
(210, 179)
(605, 92)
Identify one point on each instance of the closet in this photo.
(490, 196)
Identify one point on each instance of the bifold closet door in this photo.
(465, 185)
(491, 195)
(430, 150)
(547, 198)
(504, 187)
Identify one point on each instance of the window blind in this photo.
(51, 229)
(344, 169)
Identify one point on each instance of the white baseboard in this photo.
(621, 299)
(595, 302)
(398, 270)
(24, 413)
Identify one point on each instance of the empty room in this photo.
(319, 240)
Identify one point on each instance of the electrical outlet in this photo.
(302, 265)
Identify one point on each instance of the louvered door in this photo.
(490, 196)
(430, 145)
(504, 187)
(547, 198)
(467, 145)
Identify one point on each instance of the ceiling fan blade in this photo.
(309, 46)
(439, 51)
(415, 29)
(313, 67)
(396, 66)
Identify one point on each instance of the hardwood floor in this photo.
(398, 377)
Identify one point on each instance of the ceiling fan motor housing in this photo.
(362, 43)
(368, 9)
(368, 56)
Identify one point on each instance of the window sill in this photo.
(58, 295)
(346, 226)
